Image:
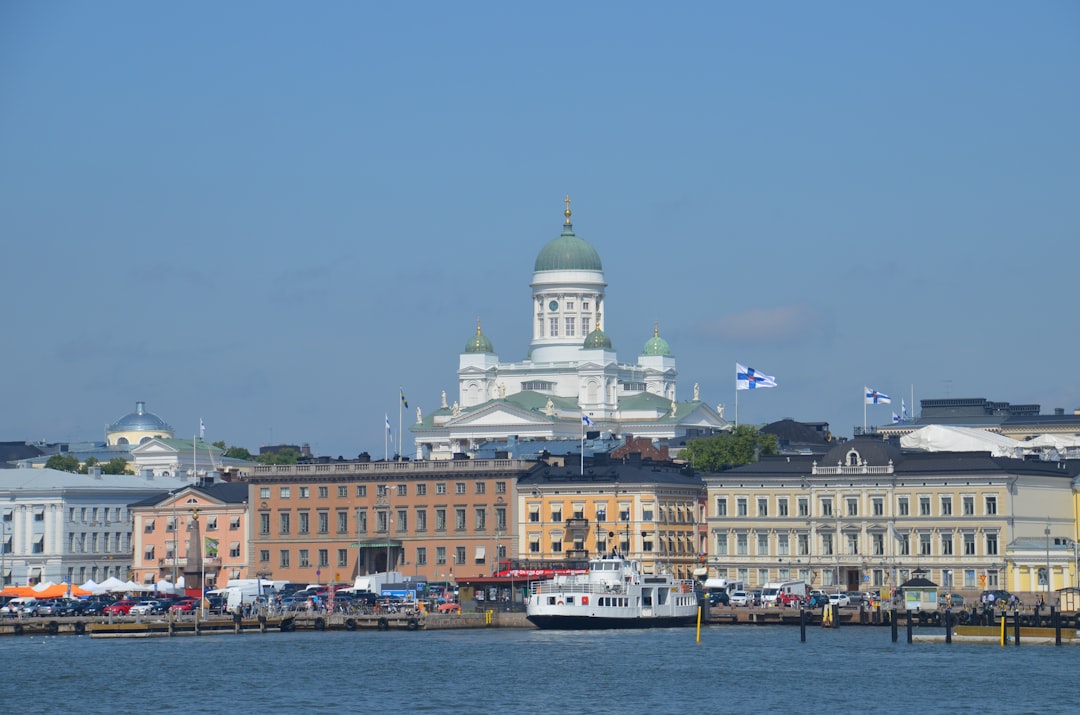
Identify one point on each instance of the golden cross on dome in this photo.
(567, 212)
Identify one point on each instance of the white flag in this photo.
(202, 429)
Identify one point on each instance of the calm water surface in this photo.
(733, 669)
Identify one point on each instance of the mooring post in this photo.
(892, 624)
(1055, 616)
(802, 624)
(907, 617)
(948, 625)
(1016, 625)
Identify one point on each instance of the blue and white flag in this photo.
(873, 397)
(903, 411)
(202, 429)
(895, 418)
(747, 378)
(389, 434)
(585, 421)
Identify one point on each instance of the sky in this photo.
(271, 216)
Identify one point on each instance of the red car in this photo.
(185, 605)
(118, 608)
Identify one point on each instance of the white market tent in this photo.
(1059, 442)
(943, 438)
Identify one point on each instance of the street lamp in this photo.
(1046, 531)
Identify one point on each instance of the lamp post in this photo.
(1046, 531)
(3, 555)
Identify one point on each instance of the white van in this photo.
(21, 606)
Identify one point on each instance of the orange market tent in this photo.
(59, 590)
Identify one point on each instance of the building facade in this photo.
(162, 531)
(647, 511)
(865, 515)
(428, 520)
(69, 528)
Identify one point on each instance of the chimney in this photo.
(94, 472)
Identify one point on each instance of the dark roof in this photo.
(628, 471)
(14, 451)
(794, 432)
(877, 453)
(226, 492)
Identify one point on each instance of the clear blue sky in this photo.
(270, 215)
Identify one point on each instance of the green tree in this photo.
(90, 462)
(729, 449)
(116, 465)
(284, 456)
(234, 452)
(63, 462)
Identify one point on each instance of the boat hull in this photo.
(580, 623)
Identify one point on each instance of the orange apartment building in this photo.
(429, 520)
(160, 533)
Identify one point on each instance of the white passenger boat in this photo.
(612, 594)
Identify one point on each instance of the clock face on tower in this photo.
(553, 305)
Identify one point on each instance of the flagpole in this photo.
(386, 441)
(865, 390)
(583, 444)
(400, 402)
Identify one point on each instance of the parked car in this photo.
(49, 607)
(149, 607)
(839, 599)
(119, 608)
(75, 607)
(184, 605)
(740, 598)
(719, 598)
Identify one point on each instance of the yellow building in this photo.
(651, 512)
(865, 516)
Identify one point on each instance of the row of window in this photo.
(972, 578)
(209, 524)
(382, 490)
(851, 506)
(947, 544)
(671, 545)
(669, 514)
(150, 552)
(322, 556)
(383, 520)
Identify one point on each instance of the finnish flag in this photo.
(586, 421)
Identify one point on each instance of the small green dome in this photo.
(568, 253)
(479, 343)
(597, 339)
(656, 345)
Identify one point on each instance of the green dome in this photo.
(568, 253)
(656, 345)
(597, 339)
(479, 343)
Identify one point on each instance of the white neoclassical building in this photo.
(571, 371)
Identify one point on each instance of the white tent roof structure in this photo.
(942, 438)
(1054, 441)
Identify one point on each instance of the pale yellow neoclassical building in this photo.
(865, 515)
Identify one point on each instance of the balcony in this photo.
(576, 524)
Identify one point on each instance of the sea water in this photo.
(734, 669)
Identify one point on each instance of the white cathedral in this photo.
(571, 372)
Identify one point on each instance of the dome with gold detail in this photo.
(597, 339)
(567, 252)
(479, 343)
(656, 345)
